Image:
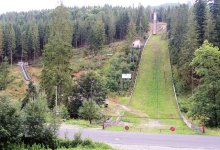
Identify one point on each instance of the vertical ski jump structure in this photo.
(155, 24)
(24, 71)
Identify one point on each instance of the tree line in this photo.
(194, 40)
(23, 35)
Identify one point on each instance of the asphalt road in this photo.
(144, 139)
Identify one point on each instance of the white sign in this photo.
(126, 76)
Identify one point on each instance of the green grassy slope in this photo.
(154, 93)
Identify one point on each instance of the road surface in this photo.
(144, 140)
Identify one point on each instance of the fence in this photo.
(185, 120)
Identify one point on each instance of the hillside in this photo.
(152, 107)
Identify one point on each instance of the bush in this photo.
(88, 143)
(37, 130)
(89, 111)
(10, 123)
(78, 136)
(64, 114)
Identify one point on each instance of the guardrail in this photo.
(185, 120)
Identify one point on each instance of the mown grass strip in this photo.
(153, 93)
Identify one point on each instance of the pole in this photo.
(56, 100)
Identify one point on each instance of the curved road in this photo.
(144, 140)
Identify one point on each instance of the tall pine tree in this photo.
(56, 56)
(200, 17)
(215, 11)
(1, 42)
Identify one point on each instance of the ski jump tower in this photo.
(155, 24)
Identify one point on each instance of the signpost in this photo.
(126, 128)
(172, 129)
(126, 76)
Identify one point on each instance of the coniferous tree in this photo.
(34, 40)
(131, 31)
(24, 45)
(1, 42)
(9, 41)
(10, 123)
(30, 95)
(200, 17)
(215, 20)
(4, 76)
(96, 37)
(56, 56)
(179, 19)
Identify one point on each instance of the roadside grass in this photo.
(131, 118)
(86, 144)
(153, 130)
(212, 131)
(83, 123)
(116, 128)
(95, 146)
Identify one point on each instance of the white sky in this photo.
(25, 5)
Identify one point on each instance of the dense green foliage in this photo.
(29, 126)
(187, 33)
(4, 76)
(215, 20)
(86, 144)
(37, 129)
(23, 36)
(206, 100)
(10, 123)
(56, 56)
(88, 87)
(126, 62)
(200, 18)
(52, 34)
(30, 94)
(89, 110)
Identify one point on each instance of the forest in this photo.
(24, 35)
(194, 41)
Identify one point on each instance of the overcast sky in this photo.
(25, 5)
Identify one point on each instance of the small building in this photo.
(136, 44)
